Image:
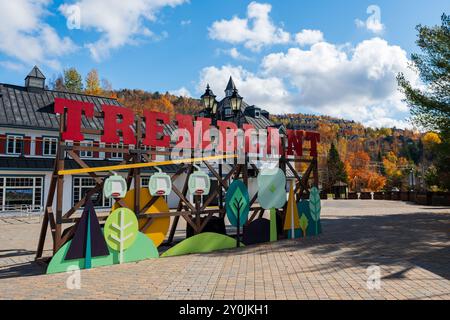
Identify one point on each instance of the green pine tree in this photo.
(430, 108)
(336, 169)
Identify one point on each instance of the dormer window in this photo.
(35, 80)
(227, 112)
(257, 113)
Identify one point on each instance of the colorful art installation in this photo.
(115, 186)
(201, 243)
(199, 183)
(291, 222)
(88, 241)
(237, 205)
(121, 230)
(159, 227)
(272, 194)
(160, 184)
(315, 207)
(258, 231)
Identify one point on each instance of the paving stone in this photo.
(410, 244)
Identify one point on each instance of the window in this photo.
(227, 112)
(20, 193)
(82, 185)
(257, 113)
(14, 144)
(49, 145)
(117, 155)
(85, 153)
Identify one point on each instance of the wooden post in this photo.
(137, 172)
(60, 184)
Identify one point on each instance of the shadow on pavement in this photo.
(415, 239)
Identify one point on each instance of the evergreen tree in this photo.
(430, 108)
(73, 81)
(336, 168)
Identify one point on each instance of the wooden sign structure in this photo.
(196, 213)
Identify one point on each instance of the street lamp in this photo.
(236, 102)
(209, 101)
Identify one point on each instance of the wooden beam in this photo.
(140, 165)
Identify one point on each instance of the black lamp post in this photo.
(236, 103)
(209, 101)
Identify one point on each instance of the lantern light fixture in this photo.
(209, 100)
(235, 101)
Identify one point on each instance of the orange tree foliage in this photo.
(395, 168)
(361, 176)
(430, 140)
(140, 102)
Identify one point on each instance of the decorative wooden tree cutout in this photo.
(121, 229)
(237, 205)
(315, 207)
(88, 240)
(291, 221)
(304, 224)
(272, 195)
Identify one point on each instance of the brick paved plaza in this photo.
(410, 243)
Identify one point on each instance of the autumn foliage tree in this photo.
(362, 177)
(396, 168)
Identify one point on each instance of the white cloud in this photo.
(235, 54)
(182, 92)
(267, 92)
(25, 36)
(357, 82)
(254, 31)
(12, 66)
(373, 22)
(360, 86)
(308, 37)
(119, 22)
(185, 22)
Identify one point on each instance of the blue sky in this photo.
(325, 57)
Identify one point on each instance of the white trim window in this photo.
(49, 146)
(14, 144)
(82, 185)
(85, 153)
(117, 155)
(20, 193)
